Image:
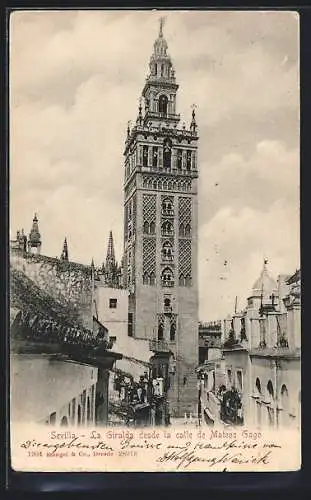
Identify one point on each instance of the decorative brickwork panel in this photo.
(185, 258)
(126, 220)
(149, 208)
(134, 212)
(133, 264)
(149, 256)
(184, 210)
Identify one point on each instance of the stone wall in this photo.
(67, 282)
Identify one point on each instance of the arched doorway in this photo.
(64, 422)
(79, 413)
(53, 418)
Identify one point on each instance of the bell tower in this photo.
(160, 231)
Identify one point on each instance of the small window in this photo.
(239, 380)
(160, 331)
(167, 302)
(113, 303)
(172, 332)
(229, 377)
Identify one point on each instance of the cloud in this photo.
(243, 238)
(75, 80)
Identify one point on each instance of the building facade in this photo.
(60, 352)
(261, 352)
(160, 229)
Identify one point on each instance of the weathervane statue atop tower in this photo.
(162, 22)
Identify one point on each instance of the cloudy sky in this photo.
(76, 77)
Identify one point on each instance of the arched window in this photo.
(163, 101)
(146, 227)
(167, 206)
(181, 280)
(145, 278)
(145, 156)
(187, 230)
(155, 156)
(155, 184)
(167, 228)
(167, 251)
(152, 278)
(181, 229)
(167, 154)
(172, 332)
(188, 280)
(167, 277)
(179, 159)
(160, 331)
(152, 228)
(188, 163)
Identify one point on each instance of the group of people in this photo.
(231, 410)
(134, 392)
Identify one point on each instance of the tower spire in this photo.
(110, 258)
(64, 255)
(111, 266)
(34, 241)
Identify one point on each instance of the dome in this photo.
(264, 284)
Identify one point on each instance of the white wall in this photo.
(40, 386)
(116, 320)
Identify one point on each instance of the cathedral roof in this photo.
(265, 284)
